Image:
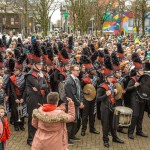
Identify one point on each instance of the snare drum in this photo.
(124, 115)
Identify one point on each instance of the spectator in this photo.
(50, 122)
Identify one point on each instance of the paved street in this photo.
(90, 141)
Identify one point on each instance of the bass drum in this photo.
(143, 90)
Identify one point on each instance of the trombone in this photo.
(19, 109)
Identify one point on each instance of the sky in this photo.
(56, 16)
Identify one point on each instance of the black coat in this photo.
(130, 90)
(35, 97)
(102, 97)
(71, 91)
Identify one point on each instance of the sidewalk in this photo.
(90, 141)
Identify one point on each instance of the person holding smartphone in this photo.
(50, 122)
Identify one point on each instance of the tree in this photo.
(5, 6)
(71, 4)
(43, 10)
(83, 10)
(100, 9)
(81, 13)
(141, 9)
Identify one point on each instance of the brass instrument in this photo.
(19, 109)
(89, 92)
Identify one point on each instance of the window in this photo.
(4, 21)
(131, 22)
(147, 22)
(12, 21)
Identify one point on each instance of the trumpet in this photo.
(19, 109)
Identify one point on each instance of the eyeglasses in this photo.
(77, 70)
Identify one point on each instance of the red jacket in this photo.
(6, 133)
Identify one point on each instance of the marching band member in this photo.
(89, 110)
(120, 52)
(47, 65)
(2, 66)
(17, 86)
(101, 77)
(147, 68)
(62, 70)
(136, 103)
(118, 82)
(35, 88)
(105, 93)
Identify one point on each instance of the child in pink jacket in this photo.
(50, 122)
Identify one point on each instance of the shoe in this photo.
(141, 134)
(98, 117)
(109, 133)
(117, 140)
(75, 139)
(106, 144)
(11, 122)
(29, 143)
(16, 128)
(95, 132)
(22, 128)
(82, 133)
(121, 131)
(70, 143)
(130, 136)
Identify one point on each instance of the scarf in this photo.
(48, 107)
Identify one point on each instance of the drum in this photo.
(143, 90)
(123, 115)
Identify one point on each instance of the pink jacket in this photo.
(51, 131)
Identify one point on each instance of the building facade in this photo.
(10, 22)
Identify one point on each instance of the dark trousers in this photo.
(31, 105)
(98, 110)
(89, 112)
(10, 108)
(119, 102)
(73, 126)
(2, 146)
(16, 115)
(137, 116)
(107, 122)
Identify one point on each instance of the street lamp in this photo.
(66, 14)
(62, 10)
(92, 19)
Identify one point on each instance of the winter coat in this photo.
(51, 131)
